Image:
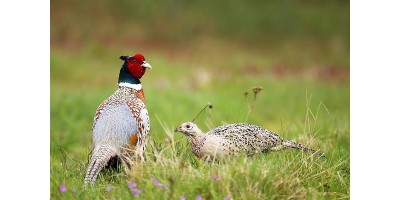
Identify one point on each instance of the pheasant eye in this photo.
(188, 126)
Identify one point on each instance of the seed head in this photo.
(256, 89)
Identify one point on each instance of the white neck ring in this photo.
(130, 85)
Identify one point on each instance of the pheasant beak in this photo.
(146, 65)
(178, 129)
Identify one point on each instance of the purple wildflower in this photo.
(217, 178)
(156, 182)
(73, 191)
(226, 198)
(199, 197)
(109, 188)
(62, 188)
(136, 192)
(182, 198)
(132, 185)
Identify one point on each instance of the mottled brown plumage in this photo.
(234, 139)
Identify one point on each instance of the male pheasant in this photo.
(121, 123)
(234, 139)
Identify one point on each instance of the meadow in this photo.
(305, 97)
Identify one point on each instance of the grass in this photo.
(305, 110)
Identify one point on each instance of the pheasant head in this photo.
(189, 129)
(133, 69)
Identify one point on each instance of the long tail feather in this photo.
(296, 145)
(99, 159)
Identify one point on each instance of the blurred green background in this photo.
(291, 33)
(204, 51)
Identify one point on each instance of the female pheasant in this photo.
(234, 139)
(121, 123)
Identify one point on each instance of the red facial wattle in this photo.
(134, 66)
(136, 70)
